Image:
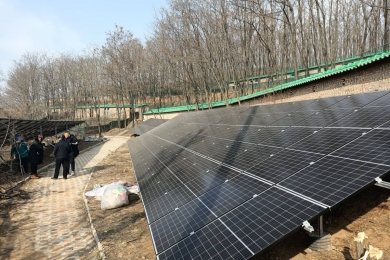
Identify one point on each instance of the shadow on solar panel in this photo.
(229, 184)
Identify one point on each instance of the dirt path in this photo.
(124, 231)
(52, 223)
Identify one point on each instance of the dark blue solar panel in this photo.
(334, 179)
(178, 224)
(168, 202)
(283, 164)
(232, 193)
(213, 241)
(327, 140)
(372, 147)
(365, 117)
(293, 118)
(358, 100)
(290, 136)
(269, 217)
(325, 117)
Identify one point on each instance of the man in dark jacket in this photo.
(61, 152)
(74, 151)
(36, 156)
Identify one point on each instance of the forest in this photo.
(199, 52)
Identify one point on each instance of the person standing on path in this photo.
(20, 151)
(36, 156)
(74, 151)
(61, 152)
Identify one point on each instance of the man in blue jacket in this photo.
(61, 152)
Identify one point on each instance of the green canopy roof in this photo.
(320, 75)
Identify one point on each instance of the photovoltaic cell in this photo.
(381, 102)
(205, 182)
(365, 117)
(372, 147)
(159, 189)
(264, 119)
(268, 217)
(283, 164)
(213, 241)
(168, 203)
(178, 224)
(258, 135)
(293, 118)
(325, 117)
(153, 179)
(334, 179)
(232, 193)
(321, 104)
(327, 140)
(252, 155)
(358, 100)
(290, 136)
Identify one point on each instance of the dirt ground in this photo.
(123, 232)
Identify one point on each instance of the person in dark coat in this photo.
(61, 152)
(74, 151)
(36, 156)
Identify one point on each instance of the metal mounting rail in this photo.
(381, 183)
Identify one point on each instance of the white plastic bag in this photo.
(114, 196)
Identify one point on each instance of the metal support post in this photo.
(320, 226)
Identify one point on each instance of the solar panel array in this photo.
(147, 126)
(228, 183)
(29, 129)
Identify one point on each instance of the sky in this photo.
(62, 26)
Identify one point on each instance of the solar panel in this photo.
(168, 202)
(365, 118)
(321, 104)
(232, 193)
(333, 179)
(266, 218)
(179, 224)
(213, 241)
(283, 164)
(325, 117)
(372, 147)
(290, 136)
(229, 183)
(358, 100)
(327, 140)
(381, 102)
(293, 118)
